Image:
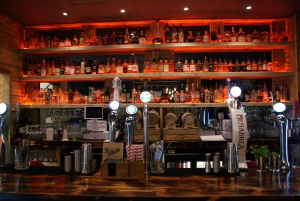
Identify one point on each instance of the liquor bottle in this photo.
(34, 68)
(219, 36)
(231, 67)
(119, 67)
(233, 35)
(207, 95)
(265, 64)
(187, 93)
(216, 94)
(120, 39)
(274, 37)
(241, 37)
(198, 38)
(249, 38)
(221, 65)
(180, 35)
(133, 94)
(210, 65)
(171, 65)
(197, 93)
(193, 93)
(125, 66)
(135, 66)
(55, 41)
(192, 66)
(126, 37)
(264, 35)
(154, 66)
(158, 39)
(67, 67)
(265, 93)
(190, 37)
(48, 68)
(166, 65)
(205, 37)
(97, 40)
(95, 67)
(237, 67)
(270, 66)
(186, 66)
(157, 96)
(202, 95)
(243, 66)
(134, 38)
(221, 93)
(199, 66)
(62, 68)
(82, 66)
(138, 94)
(227, 36)
(147, 36)
(225, 65)
(142, 37)
(147, 66)
(260, 65)
(178, 66)
(67, 42)
(106, 96)
(255, 36)
(82, 39)
(249, 65)
(128, 94)
(38, 69)
(61, 43)
(105, 39)
(101, 68)
(124, 94)
(160, 66)
(72, 68)
(205, 65)
(277, 93)
(113, 39)
(129, 67)
(174, 35)
(225, 91)
(43, 68)
(42, 43)
(283, 36)
(167, 34)
(165, 96)
(176, 95)
(216, 65)
(113, 65)
(108, 66)
(213, 35)
(89, 41)
(182, 94)
(254, 66)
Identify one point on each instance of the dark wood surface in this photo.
(246, 186)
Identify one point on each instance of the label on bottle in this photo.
(192, 67)
(135, 68)
(233, 38)
(166, 67)
(161, 68)
(186, 68)
(181, 37)
(265, 67)
(124, 96)
(205, 38)
(129, 68)
(88, 70)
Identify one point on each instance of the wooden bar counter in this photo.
(250, 185)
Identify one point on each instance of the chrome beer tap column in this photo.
(283, 126)
(145, 98)
(130, 123)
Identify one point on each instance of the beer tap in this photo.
(145, 98)
(130, 123)
(283, 126)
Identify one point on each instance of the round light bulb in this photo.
(3, 108)
(114, 105)
(279, 107)
(145, 96)
(235, 91)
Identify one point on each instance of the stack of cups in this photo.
(232, 158)
(87, 158)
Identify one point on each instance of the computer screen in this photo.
(93, 112)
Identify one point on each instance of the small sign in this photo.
(112, 150)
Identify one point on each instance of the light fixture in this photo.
(131, 109)
(3, 108)
(279, 107)
(235, 91)
(114, 105)
(145, 97)
(248, 7)
(65, 13)
(185, 8)
(122, 11)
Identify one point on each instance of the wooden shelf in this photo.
(151, 105)
(157, 76)
(176, 47)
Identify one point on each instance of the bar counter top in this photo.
(246, 186)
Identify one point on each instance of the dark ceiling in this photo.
(40, 12)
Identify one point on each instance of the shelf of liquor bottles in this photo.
(176, 47)
(157, 76)
(151, 105)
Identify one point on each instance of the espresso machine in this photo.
(5, 144)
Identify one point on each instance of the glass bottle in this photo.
(202, 95)
(88, 68)
(61, 43)
(197, 93)
(243, 66)
(199, 66)
(105, 39)
(67, 67)
(207, 95)
(167, 34)
(205, 65)
(166, 65)
(186, 66)
(260, 65)
(277, 93)
(134, 38)
(213, 35)
(126, 37)
(264, 35)
(192, 66)
(225, 65)
(77, 68)
(75, 41)
(274, 37)
(193, 93)
(178, 66)
(160, 65)
(205, 37)
(210, 65)
(37, 69)
(154, 66)
(171, 65)
(198, 37)
(67, 42)
(95, 67)
(124, 94)
(237, 67)
(62, 68)
(43, 68)
(53, 70)
(165, 96)
(142, 37)
(265, 93)
(227, 36)
(180, 35)
(82, 39)
(221, 65)
(219, 36)
(108, 66)
(190, 37)
(249, 65)
(147, 66)
(255, 36)
(48, 67)
(135, 66)
(182, 94)
(101, 68)
(113, 38)
(42, 43)
(157, 38)
(33, 42)
(82, 66)
(113, 65)
(147, 36)
(120, 40)
(129, 67)
(57, 68)
(241, 37)
(106, 96)
(98, 40)
(55, 41)
(265, 64)
(283, 36)
(254, 66)
(216, 94)
(231, 66)
(216, 65)
(72, 68)
(125, 66)
(233, 35)
(174, 36)
(119, 67)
